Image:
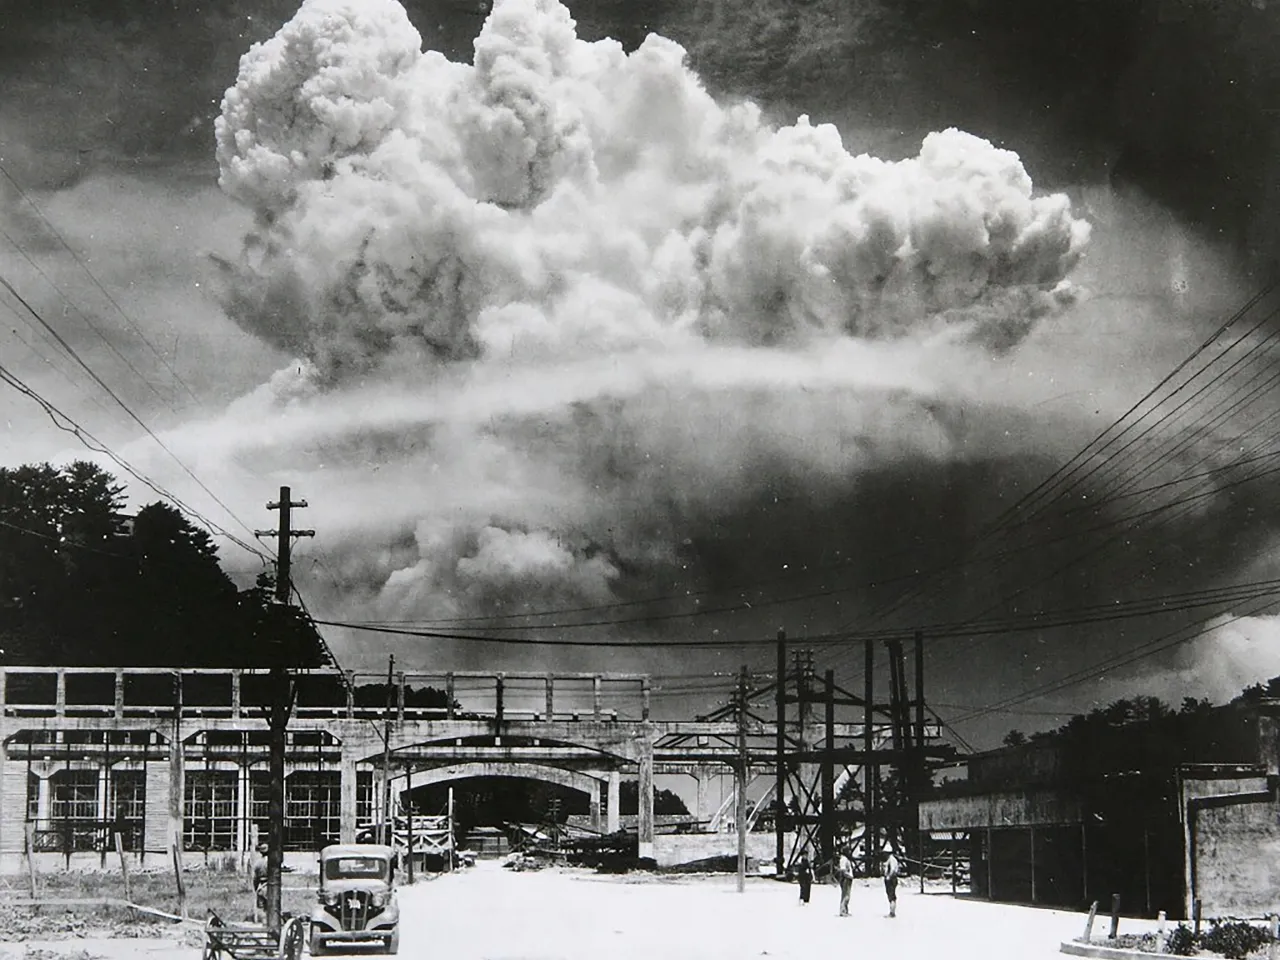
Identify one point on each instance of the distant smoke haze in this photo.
(566, 309)
(555, 325)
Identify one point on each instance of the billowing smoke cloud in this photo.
(1234, 651)
(567, 315)
(561, 196)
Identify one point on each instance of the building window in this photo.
(33, 797)
(312, 809)
(129, 805)
(73, 810)
(209, 810)
(259, 798)
(364, 797)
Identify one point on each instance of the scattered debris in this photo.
(24, 923)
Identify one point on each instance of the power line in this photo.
(61, 421)
(96, 282)
(1141, 652)
(89, 323)
(124, 406)
(1042, 620)
(1047, 491)
(34, 351)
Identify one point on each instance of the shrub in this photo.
(1181, 942)
(1234, 939)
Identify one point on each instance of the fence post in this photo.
(1160, 933)
(1273, 928)
(29, 834)
(1195, 915)
(1088, 924)
(1115, 916)
(179, 880)
(124, 867)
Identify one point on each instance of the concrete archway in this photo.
(573, 779)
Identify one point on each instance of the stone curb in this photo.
(1077, 949)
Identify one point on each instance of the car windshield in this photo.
(347, 868)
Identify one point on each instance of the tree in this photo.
(58, 531)
(665, 802)
(81, 585)
(1014, 738)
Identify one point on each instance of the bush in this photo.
(1234, 939)
(1182, 942)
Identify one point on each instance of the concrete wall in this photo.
(1009, 809)
(675, 849)
(1236, 850)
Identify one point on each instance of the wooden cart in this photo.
(252, 941)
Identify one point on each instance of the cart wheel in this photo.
(291, 939)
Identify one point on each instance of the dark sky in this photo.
(1157, 118)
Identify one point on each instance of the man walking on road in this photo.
(844, 876)
(890, 871)
(804, 875)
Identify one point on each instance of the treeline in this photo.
(83, 584)
(1144, 733)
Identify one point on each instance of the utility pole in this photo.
(388, 828)
(741, 771)
(282, 696)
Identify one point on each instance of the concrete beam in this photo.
(449, 751)
(572, 779)
(347, 793)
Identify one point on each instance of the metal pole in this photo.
(780, 747)
(919, 768)
(868, 769)
(408, 786)
(828, 813)
(453, 836)
(741, 772)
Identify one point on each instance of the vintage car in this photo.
(356, 901)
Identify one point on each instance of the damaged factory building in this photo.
(1175, 813)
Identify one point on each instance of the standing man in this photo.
(260, 882)
(890, 870)
(804, 875)
(844, 875)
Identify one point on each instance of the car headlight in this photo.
(380, 899)
(329, 898)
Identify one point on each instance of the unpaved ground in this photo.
(489, 913)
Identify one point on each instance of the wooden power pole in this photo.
(281, 706)
(741, 771)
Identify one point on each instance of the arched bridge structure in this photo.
(178, 758)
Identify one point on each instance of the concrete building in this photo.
(1042, 828)
(165, 759)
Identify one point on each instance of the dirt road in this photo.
(495, 914)
(489, 913)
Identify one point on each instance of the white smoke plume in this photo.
(1232, 653)
(570, 308)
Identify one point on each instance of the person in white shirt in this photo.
(844, 876)
(890, 871)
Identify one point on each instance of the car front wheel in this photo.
(393, 942)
